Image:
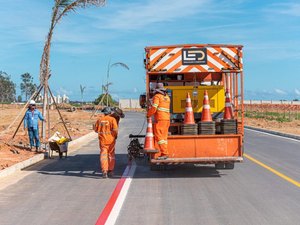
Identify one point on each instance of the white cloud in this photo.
(288, 50)
(289, 9)
(115, 96)
(297, 91)
(62, 91)
(225, 26)
(279, 91)
(276, 94)
(140, 15)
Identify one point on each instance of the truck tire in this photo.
(157, 167)
(229, 166)
(220, 166)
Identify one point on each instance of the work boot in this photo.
(104, 175)
(110, 174)
(162, 157)
(39, 149)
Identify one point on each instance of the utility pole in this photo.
(45, 104)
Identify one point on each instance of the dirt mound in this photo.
(78, 123)
(65, 106)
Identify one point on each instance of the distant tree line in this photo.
(102, 98)
(8, 88)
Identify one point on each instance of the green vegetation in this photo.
(104, 99)
(7, 88)
(27, 86)
(276, 116)
(75, 104)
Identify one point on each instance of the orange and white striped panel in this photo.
(194, 59)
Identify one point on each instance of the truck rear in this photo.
(196, 69)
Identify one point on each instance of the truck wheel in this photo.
(50, 153)
(220, 166)
(156, 167)
(229, 166)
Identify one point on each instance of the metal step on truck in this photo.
(215, 69)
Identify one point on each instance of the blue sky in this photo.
(85, 41)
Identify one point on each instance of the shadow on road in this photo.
(81, 165)
(176, 171)
(88, 166)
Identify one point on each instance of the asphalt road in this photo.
(72, 192)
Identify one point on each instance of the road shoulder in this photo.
(15, 172)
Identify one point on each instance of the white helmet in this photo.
(32, 102)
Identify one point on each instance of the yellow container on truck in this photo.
(195, 69)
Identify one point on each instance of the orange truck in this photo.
(195, 69)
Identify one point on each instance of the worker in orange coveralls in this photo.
(107, 129)
(161, 110)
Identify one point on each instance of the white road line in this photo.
(273, 135)
(112, 218)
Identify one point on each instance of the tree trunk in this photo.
(45, 102)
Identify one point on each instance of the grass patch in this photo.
(279, 117)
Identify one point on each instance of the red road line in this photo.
(113, 198)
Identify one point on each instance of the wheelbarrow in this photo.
(59, 148)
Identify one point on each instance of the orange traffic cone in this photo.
(189, 115)
(228, 115)
(149, 140)
(206, 116)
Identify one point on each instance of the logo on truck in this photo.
(194, 56)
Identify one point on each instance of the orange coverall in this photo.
(161, 111)
(107, 129)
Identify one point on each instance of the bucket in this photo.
(179, 77)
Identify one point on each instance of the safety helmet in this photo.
(31, 102)
(160, 88)
(106, 111)
(118, 111)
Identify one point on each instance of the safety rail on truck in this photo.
(196, 68)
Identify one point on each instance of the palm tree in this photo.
(105, 88)
(81, 92)
(60, 9)
(116, 64)
(106, 94)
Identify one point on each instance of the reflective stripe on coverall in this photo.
(107, 130)
(161, 111)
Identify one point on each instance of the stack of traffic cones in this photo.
(228, 124)
(206, 116)
(189, 127)
(189, 115)
(149, 139)
(228, 115)
(206, 125)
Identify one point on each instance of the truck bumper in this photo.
(202, 160)
(203, 148)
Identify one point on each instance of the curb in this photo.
(73, 145)
(77, 143)
(296, 137)
(21, 165)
